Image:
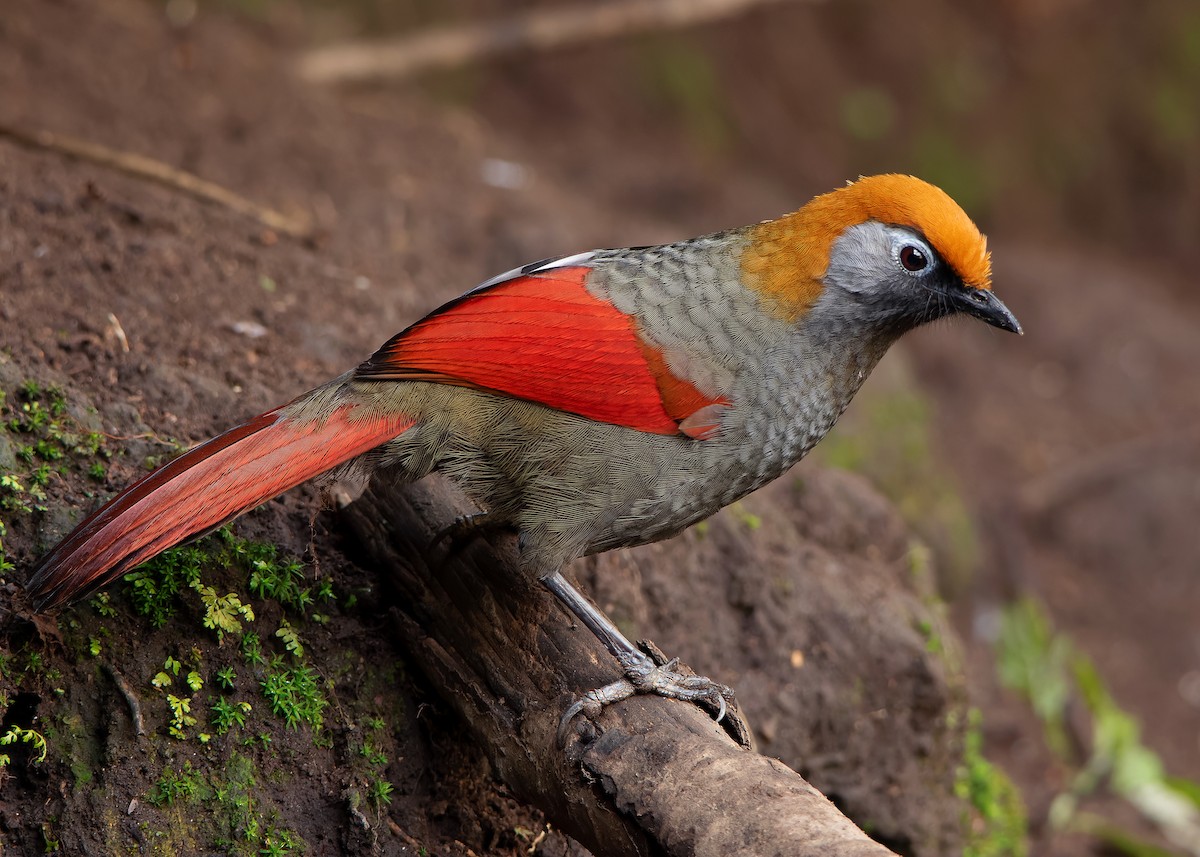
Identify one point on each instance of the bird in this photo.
(593, 401)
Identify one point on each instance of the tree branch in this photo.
(141, 167)
(654, 776)
(538, 29)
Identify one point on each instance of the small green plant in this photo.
(162, 678)
(181, 716)
(226, 677)
(15, 497)
(5, 565)
(252, 649)
(271, 577)
(291, 639)
(373, 755)
(227, 714)
(102, 604)
(180, 706)
(224, 613)
(380, 792)
(157, 584)
(194, 681)
(1033, 660)
(25, 736)
(50, 842)
(295, 695)
(278, 842)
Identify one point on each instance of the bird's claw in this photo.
(592, 703)
(644, 675)
(665, 679)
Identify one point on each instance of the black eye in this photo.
(913, 258)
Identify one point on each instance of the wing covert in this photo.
(543, 337)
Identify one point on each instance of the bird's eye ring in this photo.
(913, 259)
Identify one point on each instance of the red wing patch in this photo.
(544, 338)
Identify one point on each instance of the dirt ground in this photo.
(1074, 446)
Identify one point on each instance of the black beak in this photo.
(985, 306)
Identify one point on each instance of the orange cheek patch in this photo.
(784, 263)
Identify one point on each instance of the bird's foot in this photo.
(653, 673)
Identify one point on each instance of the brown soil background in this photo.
(1060, 124)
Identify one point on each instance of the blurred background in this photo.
(1054, 477)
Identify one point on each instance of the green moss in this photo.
(232, 816)
(76, 745)
(186, 785)
(380, 792)
(995, 822)
(226, 677)
(156, 586)
(275, 576)
(39, 437)
(295, 695)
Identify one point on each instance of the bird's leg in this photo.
(643, 673)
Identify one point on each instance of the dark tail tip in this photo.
(141, 521)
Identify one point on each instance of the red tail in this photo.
(200, 490)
